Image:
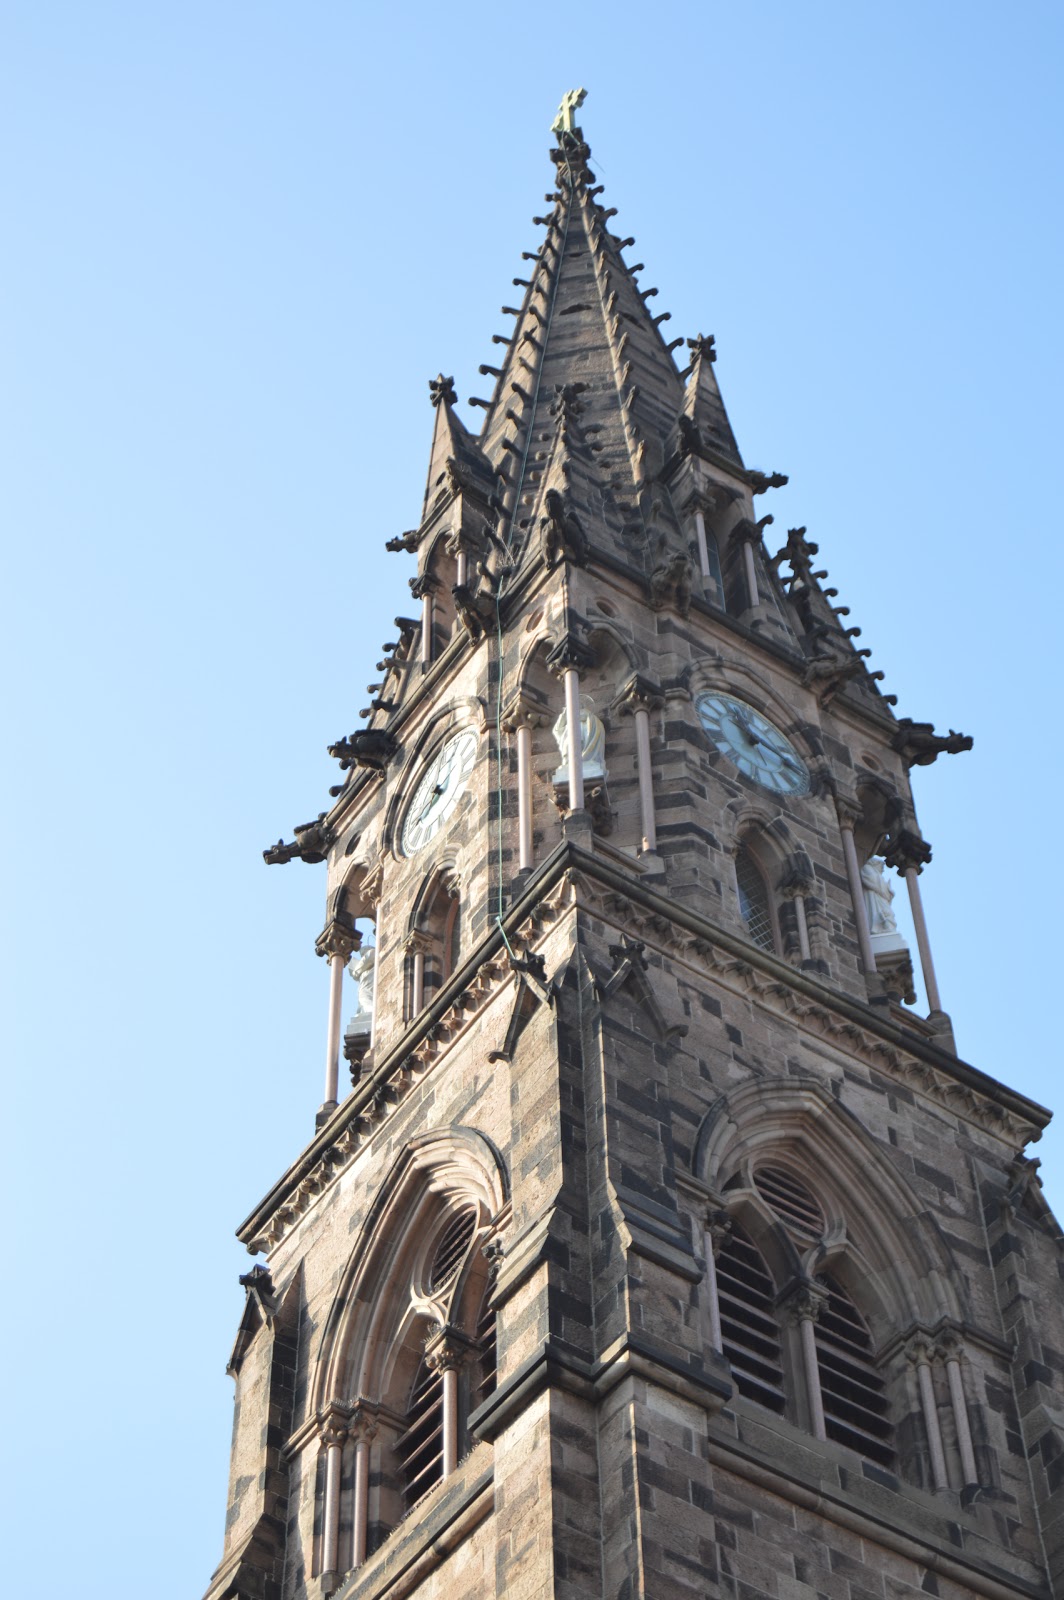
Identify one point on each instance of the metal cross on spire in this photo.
(572, 100)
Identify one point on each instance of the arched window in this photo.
(755, 902)
(434, 945)
(409, 1351)
(824, 1376)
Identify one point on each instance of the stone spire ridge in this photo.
(704, 420)
(583, 319)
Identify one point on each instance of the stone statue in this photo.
(592, 743)
(878, 894)
(362, 968)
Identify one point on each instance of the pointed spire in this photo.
(583, 319)
(454, 448)
(703, 407)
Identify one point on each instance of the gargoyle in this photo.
(672, 581)
(405, 541)
(760, 481)
(311, 844)
(825, 675)
(477, 611)
(918, 744)
(366, 747)
(561, 537)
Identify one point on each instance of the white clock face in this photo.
(751, 743)
(438, 791)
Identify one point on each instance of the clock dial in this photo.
(751, 743)
(438, 791)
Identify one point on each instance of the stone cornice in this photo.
(572, 876)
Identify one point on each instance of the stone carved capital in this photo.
(417, 943)
(805, 1304)
(522, 712)
(639, 694)
(920, 1350)
(337, 939)
(718, 1225)
(849, 812)
(425, 583)
(448, 1350)
(364, 1420)
(906, 849)
(569, 653)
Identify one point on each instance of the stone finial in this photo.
(441, 391)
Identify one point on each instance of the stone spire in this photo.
(583, 327)
(703, 409)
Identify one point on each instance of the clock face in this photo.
(751, 743)
(438, 791)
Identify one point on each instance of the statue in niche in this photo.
(878, 894)
(363, 969)
(592, 743)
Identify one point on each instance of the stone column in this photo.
(749, 533)
(362, 1428)
(805, 1309)
(567, 657)
(424, 588)
(336, 942)
(639, 697)
(703, 547)
(716, 1229)
(795, 885)
(520, 719)
(333, 1435)
(847, 817)
(919, 1353)
(910, 854)
(950, 1349)
(447, 1353)
(416, 944)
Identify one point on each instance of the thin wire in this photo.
(510, 535)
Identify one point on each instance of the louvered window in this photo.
(451, 1250)
(754, 905)
(419, 1448)
(855, 1406)
(748, 1322)
(791, 1201)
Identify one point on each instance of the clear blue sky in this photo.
(239, 240)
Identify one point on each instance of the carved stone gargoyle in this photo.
(918, 744)
(311, 844)
(672, 582)
(476, 611)
(372, 748)
(561, 537)
(826, 674)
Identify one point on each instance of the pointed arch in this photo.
(878, 1241)
(436, 1175)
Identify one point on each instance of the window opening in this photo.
(419, 1447)
(451, 1250)
(791, 1201)
(855, 1406)
(750, 1332)
(754, 905)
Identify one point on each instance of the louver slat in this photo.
(748, 1323)
(855, 1406)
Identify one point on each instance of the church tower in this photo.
(660, 1248)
